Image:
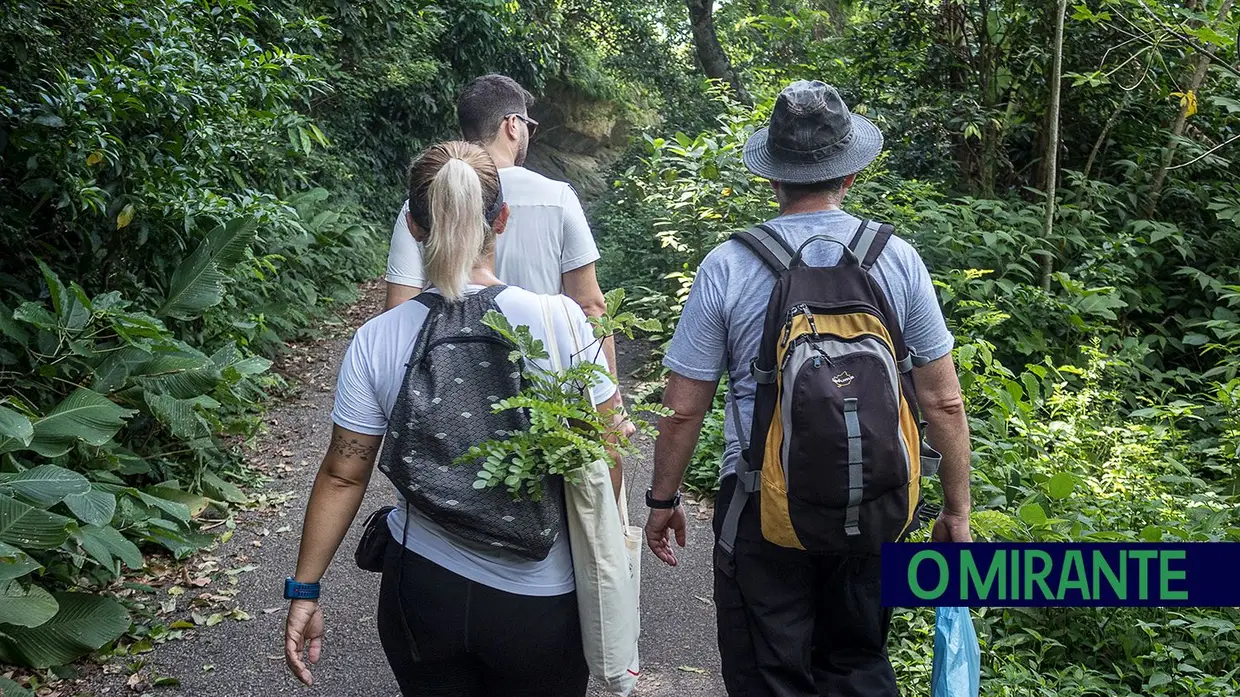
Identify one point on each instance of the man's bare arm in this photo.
(689, 400)
(582, 286)
(947, 431)
(397, 294)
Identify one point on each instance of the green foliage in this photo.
(78, 623)
(1102, 409)
(566, 431)
(162, 156)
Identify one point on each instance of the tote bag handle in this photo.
(572, 330)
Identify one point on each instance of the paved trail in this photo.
(244, 658)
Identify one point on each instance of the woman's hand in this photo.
(303, 631)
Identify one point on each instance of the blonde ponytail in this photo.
(455, 197)
(451, 188)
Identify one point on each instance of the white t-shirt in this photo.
(547, 236)
(370, 379)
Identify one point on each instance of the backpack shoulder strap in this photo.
(768, 245)
(870, 240)
(430, 300)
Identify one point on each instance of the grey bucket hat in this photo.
(813, 137)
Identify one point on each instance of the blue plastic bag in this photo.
(957, 657)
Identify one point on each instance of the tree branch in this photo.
(1205, 154)
(1188, 40)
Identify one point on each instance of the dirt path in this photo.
(244, 658)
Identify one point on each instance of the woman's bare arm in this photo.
(334, 500)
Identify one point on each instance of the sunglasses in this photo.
(531, 124)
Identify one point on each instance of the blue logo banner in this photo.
(1199, 574)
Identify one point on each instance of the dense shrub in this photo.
(1093, 418)
(162, 234)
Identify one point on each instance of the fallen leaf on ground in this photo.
(241, 569)
(691, 669)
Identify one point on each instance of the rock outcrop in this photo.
(578, 139)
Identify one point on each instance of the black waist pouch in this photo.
(375, 539)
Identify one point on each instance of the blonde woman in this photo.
(477, 595)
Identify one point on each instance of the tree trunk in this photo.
(1102, 137)
(710, 52)
(1177, 128)
(1052, 147)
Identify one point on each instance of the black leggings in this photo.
(446, 635)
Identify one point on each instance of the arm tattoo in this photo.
(349, 447)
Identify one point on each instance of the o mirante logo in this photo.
(1061, 574)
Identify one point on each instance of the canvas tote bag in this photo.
(606, 556)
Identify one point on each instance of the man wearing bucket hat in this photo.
(792, 623)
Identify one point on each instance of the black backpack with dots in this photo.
(458, 369)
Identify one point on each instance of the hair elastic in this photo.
(419, 207)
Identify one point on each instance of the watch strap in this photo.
(295, 590)
(652, 502)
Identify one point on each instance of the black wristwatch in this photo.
(662, 503)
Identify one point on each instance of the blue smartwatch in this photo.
(294, 590)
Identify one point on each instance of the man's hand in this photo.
(659, 528)
(303, 631)
(951, 527)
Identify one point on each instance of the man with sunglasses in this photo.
(547, 247)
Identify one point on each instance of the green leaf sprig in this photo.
(566, 431)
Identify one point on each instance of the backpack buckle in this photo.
(751, 480)
(762, 377)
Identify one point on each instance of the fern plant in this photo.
(566, 431)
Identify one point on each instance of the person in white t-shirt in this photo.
(547, 247)
(455, 617)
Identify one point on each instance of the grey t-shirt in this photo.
(721, 326)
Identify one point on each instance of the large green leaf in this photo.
(104, 543)
(46, 485)
(174, 538)
(93, 507)
(15, 563)
(198, 282)
(29, 527)
(83, 624)
(221, 490)
(183, 373)
(179, 416)
(69, 305)
(84, 415)
(8, 688)
(184, 384)
(25, 605)
(179, 511)
(234, 366)
(112, 373)
(17, 566)
(195, 503)
(16, 431)
(10, 327)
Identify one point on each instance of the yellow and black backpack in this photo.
(837, 453)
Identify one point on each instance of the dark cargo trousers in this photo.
(793, 624)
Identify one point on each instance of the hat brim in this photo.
(865, 148)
